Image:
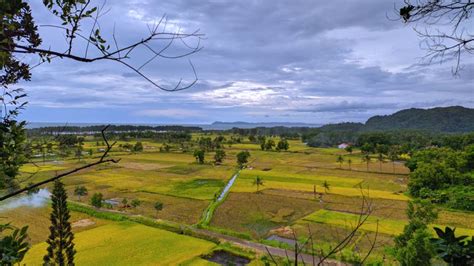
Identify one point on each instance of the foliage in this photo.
(444, 176)
(283, 145)
(97, 200)
(258, 182)
(340, 160)
(219, 156)
(135, 203)
(453, 250)
(60, 241)
(80, 191)
(242, 158)
(199, 155)
(138, 147)
(442, 119)
(12, 151)
(14, 246)
(413, 246)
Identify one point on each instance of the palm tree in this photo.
(393, 156)
(80, 191)
(340, 160)
(326, 186)
(380, 159)
(366, 159)
(349, 161)
(259, 182)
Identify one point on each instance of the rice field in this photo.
(128, 243)
(292, 195)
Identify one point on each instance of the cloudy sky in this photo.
(262, 61)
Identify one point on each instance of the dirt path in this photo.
(265, 249)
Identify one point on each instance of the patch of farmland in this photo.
(127, 243)
(257, 213)
(385, 226)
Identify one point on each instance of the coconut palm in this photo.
(259, 182)
(80, 191)
(340, 160)
(326, 186)
(366, 158)
(393, 156)
(381, 160)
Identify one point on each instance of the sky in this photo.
(262, 61)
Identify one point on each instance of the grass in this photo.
(385, 226)
(127, 243)
(38, 221)
(31, 168)
(257, 213)
(186, 189)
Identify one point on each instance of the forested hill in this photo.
(440, 119)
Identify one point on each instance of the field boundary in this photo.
(209, 211)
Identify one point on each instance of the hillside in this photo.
(440, 119)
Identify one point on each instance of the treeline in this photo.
(111, 129)
(444, 176)
(408, 140)
(284, 132)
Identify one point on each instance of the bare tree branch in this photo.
(452, 35)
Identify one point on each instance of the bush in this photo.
(97, 199)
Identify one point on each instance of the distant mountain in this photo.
(229, 125)
(440, 119)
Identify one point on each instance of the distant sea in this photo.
(213, 126)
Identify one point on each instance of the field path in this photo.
(265, 249)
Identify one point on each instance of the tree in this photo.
(199, 155)
(393, 156)
(349, 149)
(97, 200)
(326, 186)
(349, 161)
(258, 182)
(158, 207)
(269, 145)
(138, 147)
(14, 246)
(135, 203)
(381, 160)
(413, 246)
(79, 148)
(13, 156)
(366, 158)
(219, 156)
(454, 250)
(242, 158)
(60, 242)
(80, 191)
(340, 160)
(125, 203)
(451, 20)
(252, 138)
(283, 145)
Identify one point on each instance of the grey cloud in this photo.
(262, 59)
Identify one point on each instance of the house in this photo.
(343, 145)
